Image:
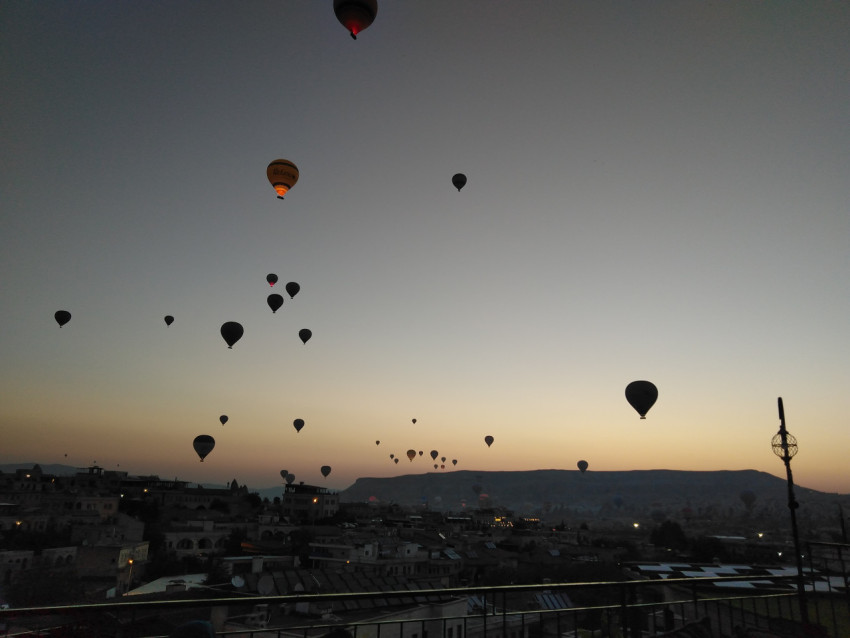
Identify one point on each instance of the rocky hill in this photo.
(639, 492)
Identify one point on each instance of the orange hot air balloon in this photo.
(282, 175)
(355, 15)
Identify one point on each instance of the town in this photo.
(100, 535)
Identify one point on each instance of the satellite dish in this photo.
(237, 581)
(265, 586)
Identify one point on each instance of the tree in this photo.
(669, 534)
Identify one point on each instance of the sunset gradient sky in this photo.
(657, 190)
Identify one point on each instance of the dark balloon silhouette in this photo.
(223, 419)
(231, 332)
(377, 442)
(436, 466)
(326, 469)
(298, 424)
(275, 301)
(459, 181)
(355, 15)
(442, 459)
(434, 455)
(488, 440)
(62, 317)
(641, 395)
(271, 278)
(169, 320)
(413, 421)
(292, 289)
(421, 452)
(282, 175)
(411, 454)
(395, 461)
(454, 461)
(284, 474)
(290, 478)
(392, 456)
(203, 445)
(305, 334)
(582, 465)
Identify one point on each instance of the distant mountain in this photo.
(592, 493)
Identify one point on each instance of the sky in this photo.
(656, 190)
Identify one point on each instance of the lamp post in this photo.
(785, 447)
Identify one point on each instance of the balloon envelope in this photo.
(326, 469)
(223, 419)
(271, 278)
(305, 334)
(203, 445)
(396, 461)
(284, 474)
(377, 442)
(62, 317)
(411, 454)
(169, 320)
(582, 465)
(231, 332)
(488, 440)
(459, 181)
(413, 421)
(290, 478)
(434, 454)
(454, 461)
(641, 395)
(355, 15)
(282, 175)
(275, 301)
(292, 289)
(298, 424)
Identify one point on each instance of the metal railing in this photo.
(629, 609)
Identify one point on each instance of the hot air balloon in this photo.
(282, 175)
(459, 181)
(377, 442)
(454, 461)
(355, 15)
(442, 459)
(434, 454)
(396, 461)
(284, 474)
(203, 445)
(488, 440)
(169, 320)
(290, 478)
(326, 469)
(292, 289)
(442, 466)
(304, 334)
(223, 419)
(62, 317)
(411, 454)
(413, 421)
(582, 465)
(392, 456)
(271, 278)
(231, 332)
(436, 466)
(641, 395)
(421, 452)
(298, 424)
(275, 301)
